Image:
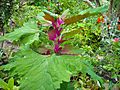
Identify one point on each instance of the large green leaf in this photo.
(86, 13)
(39, 72)
(28, 28)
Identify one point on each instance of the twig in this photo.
(89, 3)
(3, 33)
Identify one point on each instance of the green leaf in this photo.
(41, 14)
(3, 85)
(29, 39)
(11, 83)
(39, 72)
(49, 16)
(72, 33)
(64, 14)
(42, 72)
(41, 18)
(66, 86)
(50, 13)
(85, 14)
(28, 28)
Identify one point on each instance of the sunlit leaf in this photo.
(85, 14)
(44, 72)
(28, 28)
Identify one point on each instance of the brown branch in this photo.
(110, 8)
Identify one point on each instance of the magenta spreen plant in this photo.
(54, 34)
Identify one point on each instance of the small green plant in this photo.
(9, 85)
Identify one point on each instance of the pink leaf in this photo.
(52, 35)
(54, 24)
(60, 40)
(58, 31)
(57, 48)
(59, 22)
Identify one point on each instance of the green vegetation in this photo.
(59, 45)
